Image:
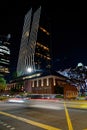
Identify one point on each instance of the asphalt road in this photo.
(68, 116)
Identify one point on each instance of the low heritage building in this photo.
(43, 83)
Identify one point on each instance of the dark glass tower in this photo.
(4, 55)
(34, 51)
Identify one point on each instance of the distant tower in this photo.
(34, 51)
(4, 55)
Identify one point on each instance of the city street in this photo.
(43, 65)
(69, 116)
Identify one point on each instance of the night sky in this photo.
(69, 31)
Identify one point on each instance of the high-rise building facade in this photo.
(34, 55)
(34, 51)
(4, 55)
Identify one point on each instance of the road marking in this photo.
(12, 128)
(68, 118)
(5, 124)
(47, 127)
(8, 126)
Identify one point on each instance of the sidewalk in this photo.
(77, 104)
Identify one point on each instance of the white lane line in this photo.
(12, 128)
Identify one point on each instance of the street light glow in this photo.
(29, 70)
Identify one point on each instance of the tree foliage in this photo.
(2, 83)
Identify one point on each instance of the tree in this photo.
(2, 84)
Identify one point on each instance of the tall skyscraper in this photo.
(34, 51)
(4, 55)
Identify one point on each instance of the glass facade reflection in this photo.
(34, 49)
